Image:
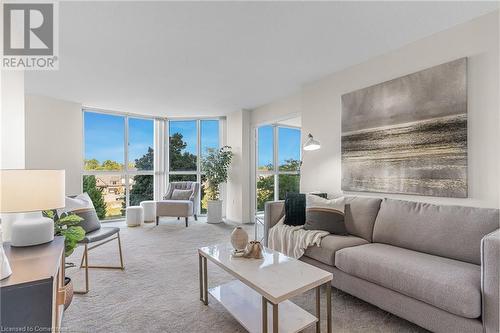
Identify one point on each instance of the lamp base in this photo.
(32, 230)
(5, 270)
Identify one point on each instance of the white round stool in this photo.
(134, 216)
(149, 208)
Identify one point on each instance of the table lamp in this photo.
(24, 194)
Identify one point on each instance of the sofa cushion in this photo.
(448, 284)
(448, 231)
(331, 244)
(360, 215)
(325, 214)
(295, 208)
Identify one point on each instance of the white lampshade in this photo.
(311, 143)
(31, 190)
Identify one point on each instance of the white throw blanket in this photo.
(293, 240)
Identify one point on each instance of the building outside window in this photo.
(118, 161)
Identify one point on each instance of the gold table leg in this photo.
(200, 274)
(85, 258)
(120, 250)
(205, 281)
(318, 309)
(275, 318)
(329, 307)
(264, 315)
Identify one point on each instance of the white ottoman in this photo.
(149, 208)
(134, 216)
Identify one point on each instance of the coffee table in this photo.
(273, 279)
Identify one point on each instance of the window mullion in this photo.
(198, 163)
(276, 163)
(127, 179)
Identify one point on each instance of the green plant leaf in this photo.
(74, 233)
(215, 166)
(70, 220)
(48, 213)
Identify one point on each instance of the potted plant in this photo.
(67, 225)
(215, 165)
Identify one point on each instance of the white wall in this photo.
(320, 103)
(289, 107)
(238, 185)
(54, 138)
(12, 143)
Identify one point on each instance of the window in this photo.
(104, 138)
(265, 148)
(119, 158)
(189, 141)
(278, 159)
(117, 174)
(183, 145)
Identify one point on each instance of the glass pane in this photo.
(265, 190)
(204, 201)
(141, 189)
(288, 149)
(182, 178)
(107, 193)
(265, 148)
(183, 145)
(104, 137)
(209, 135)
(288, 183)
(140, 144)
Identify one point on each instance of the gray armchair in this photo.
(179, 201)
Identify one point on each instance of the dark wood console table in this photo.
(33, 296)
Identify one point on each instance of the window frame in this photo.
(275, 172)
(198, 171)
(125, 172)
(162, 151)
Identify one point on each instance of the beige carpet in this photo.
(158, 291)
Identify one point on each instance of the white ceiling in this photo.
(211, 58)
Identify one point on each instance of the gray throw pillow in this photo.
(324, 214)
(82, 206)
(181, 194)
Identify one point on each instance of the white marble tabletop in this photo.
(276, 276)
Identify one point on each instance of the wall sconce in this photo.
(311, 143)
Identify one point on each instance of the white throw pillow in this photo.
(314, 201)
(81, 201)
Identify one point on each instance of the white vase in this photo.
(239, 238)
(214, 211)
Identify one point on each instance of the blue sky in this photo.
(209, 133)
(288, 145)
(104, 136)
(140, 137)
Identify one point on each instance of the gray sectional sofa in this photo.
(434, 265)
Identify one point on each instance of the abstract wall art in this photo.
(408, 135)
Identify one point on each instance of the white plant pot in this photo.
(214, 211)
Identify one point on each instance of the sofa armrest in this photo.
(273, 212)
(490, 266)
